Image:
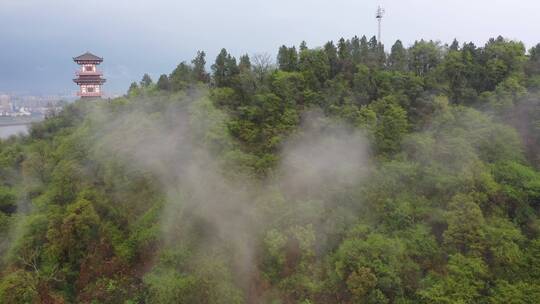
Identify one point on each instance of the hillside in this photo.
(340, 174)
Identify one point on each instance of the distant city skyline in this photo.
(39, 38)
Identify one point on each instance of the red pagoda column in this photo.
(89, 78)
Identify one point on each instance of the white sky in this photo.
(39, 37)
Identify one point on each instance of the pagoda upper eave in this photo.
(88, 58)
(88, 61)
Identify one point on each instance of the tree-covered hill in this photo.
(339, 174)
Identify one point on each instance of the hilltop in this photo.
(339, 174)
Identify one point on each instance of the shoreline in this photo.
(15, 122)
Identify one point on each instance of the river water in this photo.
(7, 131)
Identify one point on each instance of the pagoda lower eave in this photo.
(89, 80)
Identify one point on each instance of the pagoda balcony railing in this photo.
(89, 94)
(88, 73)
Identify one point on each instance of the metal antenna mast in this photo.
(379, 15)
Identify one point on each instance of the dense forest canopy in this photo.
(334, 174)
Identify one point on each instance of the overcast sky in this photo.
(38, 38)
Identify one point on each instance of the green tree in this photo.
(391, 124)
(182, 77)
(464, 283)
(532, 67)
(146, 81)
(287, 59)
(303, 46)
(315, 67)
(19, 287)
(224, 69)
(454, 46)
(517, 293)
(133, 90)
(376, 54)
(73, 235)
(371, 266)
(465, 233)
(364, 50)
(332, 56)
(344, 50)
(356, 52)
(424, 56)
(501, 58)
(398, 57)
(245, 63)
(163, 83)
(199, 69)
(457, 67)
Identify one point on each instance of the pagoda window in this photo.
(90, 89)
(88, 68)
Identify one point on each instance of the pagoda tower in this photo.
(89, 78)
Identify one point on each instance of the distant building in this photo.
(89, 78)
(5, 104)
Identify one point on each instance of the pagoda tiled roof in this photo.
(87, 57)
(94, 79)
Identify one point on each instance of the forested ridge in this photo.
(333, 174)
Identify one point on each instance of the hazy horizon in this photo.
(137, 37)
